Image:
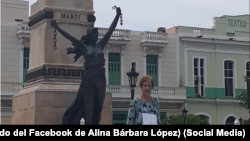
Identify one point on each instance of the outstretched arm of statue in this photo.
(112, 27)
(74, 41)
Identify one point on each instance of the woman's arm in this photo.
(65, 34)
(131, 114)
(107, 36)
(74, 41)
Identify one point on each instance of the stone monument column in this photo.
(53, 79)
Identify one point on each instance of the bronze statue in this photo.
(90, 97)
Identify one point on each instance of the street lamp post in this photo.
(184, 115)
(132, 78)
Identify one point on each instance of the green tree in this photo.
(246, 122)
(190, 120)
(244, 97)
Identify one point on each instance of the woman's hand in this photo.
(118, 11)
(53, 23)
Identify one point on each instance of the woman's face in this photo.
(147, 87)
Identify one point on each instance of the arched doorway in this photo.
(230, 120)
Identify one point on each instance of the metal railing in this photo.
(113, 89)
(11, 86)
(121, 90)
(117, 33)
(125, 90)
(163, 91)
(154, 36)
(18, 86)
(23, 27)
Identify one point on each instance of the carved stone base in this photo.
(45, 104)
(69, 72)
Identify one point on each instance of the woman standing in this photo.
(90, 97)
(140, 108)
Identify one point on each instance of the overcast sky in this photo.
(148, 15)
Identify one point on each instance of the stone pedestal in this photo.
(107, 115)
(53, 78)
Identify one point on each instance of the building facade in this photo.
(213, 63)
(14, 51)
(154, 54)
(200, 68)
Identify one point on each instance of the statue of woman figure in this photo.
(90, 97)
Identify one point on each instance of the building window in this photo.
(196, 31)
(228, 77)
(199, 77)
(114, 69)
(152, 68)
(133, 65)
(120, 117)
(230, 120)
(25, 62)
(248, 69)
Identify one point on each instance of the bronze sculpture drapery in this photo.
(90, 97)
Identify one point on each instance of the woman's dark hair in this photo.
(85, 39)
